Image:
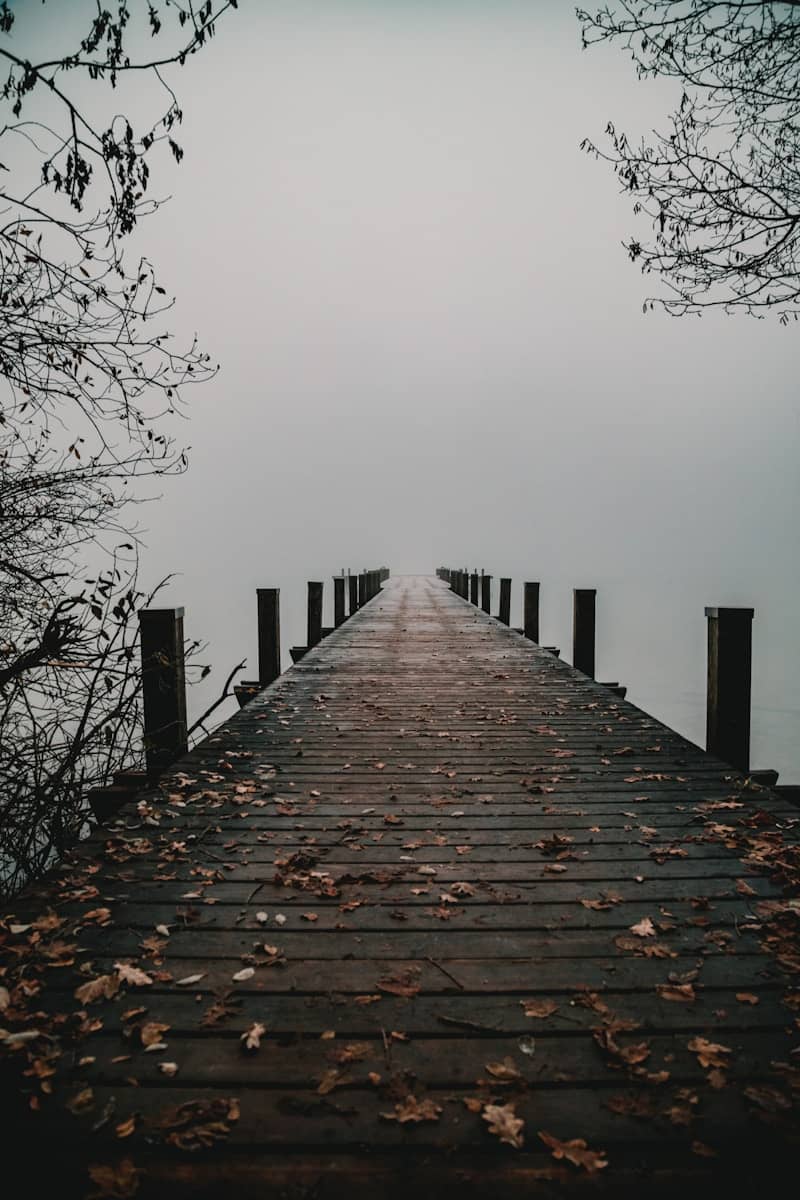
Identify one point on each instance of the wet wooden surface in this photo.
(455, 892)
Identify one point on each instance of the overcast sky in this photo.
(433, 348)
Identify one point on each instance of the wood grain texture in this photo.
(448, 875)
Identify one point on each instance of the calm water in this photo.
(650, 636)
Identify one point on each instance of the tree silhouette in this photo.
(92, 378)
(722, 183)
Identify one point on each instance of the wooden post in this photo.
(314, 635)
(269, 634)
(486, 593)
(583, 626)
(338, 601)
(352, 588)
(504, 614)
(531, 618)
(163, 687)
(362, 589)
(730, 640)
(473, 588)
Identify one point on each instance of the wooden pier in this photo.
(434, 911)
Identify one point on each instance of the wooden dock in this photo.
(433, 911)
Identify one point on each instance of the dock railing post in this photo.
(362, 589)
(269, 634)
(473, 588)
(314, 636)
(583, 630)
(338, 600)
(531, 612)
(504, 613)
(163, 687)
(486, 593)
(730, 641)
(352, 588)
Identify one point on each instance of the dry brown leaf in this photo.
(352, 1052)
(127, 1127)
(104, 987)
(576, 1152)
(132, 975)
(151, 1032)
(81, 1101)
(709, 1054)
(644, 928)
(504, 1123)
(539, 1008)
(634, 1054)
(412, 1109)
(331, 1078)
(747, 998)
(116, 1181)
(506, 1070)
(681, 992)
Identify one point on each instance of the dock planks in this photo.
(486, 926)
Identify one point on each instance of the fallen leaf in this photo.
(251, 1038)
(168, 1068)
(676, 991)
(644, 928)
(506, 1071)
(81, 1101)
(188, 980)
(575, 1152)
(151, 1032)
(116, 1181)
(709, 1054)
(504, 1124)
(104, 987)
(243, 975)
(412, 1109)
(539, 1008)
(132, 975)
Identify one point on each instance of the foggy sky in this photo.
(433, 348)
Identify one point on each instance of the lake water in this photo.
(651, 636)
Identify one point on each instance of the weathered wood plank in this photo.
(436, 822)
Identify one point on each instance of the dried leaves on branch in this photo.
(720, 183)
(91, 379)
